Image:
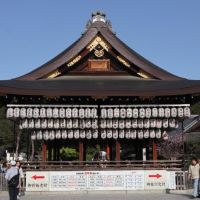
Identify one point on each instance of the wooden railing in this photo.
(102, 165)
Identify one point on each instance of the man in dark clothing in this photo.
(10, 173)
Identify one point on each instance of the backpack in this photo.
(14, 181)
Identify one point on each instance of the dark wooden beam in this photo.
(81, 150)
(118, 145)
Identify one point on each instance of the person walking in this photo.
(21, 179)
(194, 176)
(12, 176)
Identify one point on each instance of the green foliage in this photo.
(67, 153)
(91, 151)
(195, 109)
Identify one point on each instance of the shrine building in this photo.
(99, 91)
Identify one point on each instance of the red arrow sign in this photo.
(37, 177)
(155, 176)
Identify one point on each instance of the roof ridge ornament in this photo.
(98, 16)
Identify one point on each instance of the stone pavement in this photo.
(96, 195)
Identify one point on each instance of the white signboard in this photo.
(171, 180)
(100, 180)
(37, 181)
(155, 179)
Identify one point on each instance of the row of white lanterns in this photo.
(167, 112)
(145, 112)
(51, 112)
(58, 123)
(139, 123)
(93, 123)
(93, 134)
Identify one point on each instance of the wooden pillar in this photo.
(117, 150)
(44, 152)
(108, 152)
(49, 151)
(81, 150)
(154, 151)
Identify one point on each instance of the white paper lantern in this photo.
(37, 123)
(62, 113)
(161, 112)
(115, 123)
(110, 113)
(64, 134)
(158, 134)
(43, 123)
(24, 123)
(146, 123)
(134, 123)
(23, 112)
(128, 123)
(88, 113)
(29, 112)
(121, 133)
(115, 134)
(109, 123)
(63, 123)
(158, 123)
(180, 112)
(52, 135)
(103, 123)
(36, 113)
(31, 123)
(94, 113)
(103, 133)
(70, 134)
(109, 133)
(165, 135)
(81, 113)
(39, 135)
(88, 123)
(94, 123)
(69, 123)
(45, 135)
(142, 113)
(76, 133)
(146, 133)
(153, 123)
(135, 113)
(49, 113)
(140, 123)
(55, 113)
(140, 134)
(121, 124)
(172, 123)
(75, 123)
(152, 133)
(82, 134)
(69, 113)
(9, 113)
(187, 112)
(103, 113)
(129, 112)
(148, 112)
(95, 134)
(167, 112)
(50, 123)
(33, 136)
(116, 112)
(16, 112)
(174, 112)
(75, 113)
(123, 113)
(82, 123)
(154, 112)
(43, 113)
(56, 123)
(127, 133)
(176, 124)
(133, 134)
(88, 134)
(165, 123)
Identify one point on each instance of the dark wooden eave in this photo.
(100, 86)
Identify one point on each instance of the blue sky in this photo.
(167, 32)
